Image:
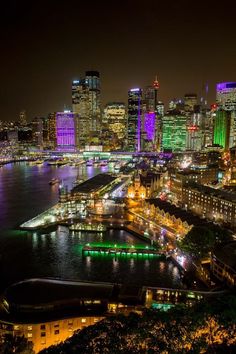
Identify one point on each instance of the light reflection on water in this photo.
(25, 192)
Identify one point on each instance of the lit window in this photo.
(29, 335)
(30, 328)
(83, 320)
(16, 327)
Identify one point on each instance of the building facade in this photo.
(223, 264)
(174, 131)
(86, 102)
(214, 204)
(114, 118)
(190, 101)
(222, 128)
(226, 95)
(66, 130)
(134, 124)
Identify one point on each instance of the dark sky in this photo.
(47, 43)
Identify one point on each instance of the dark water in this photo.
(24, 193)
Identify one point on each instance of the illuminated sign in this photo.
(192, 128)
(213, 106)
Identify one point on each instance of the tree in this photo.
(199, 241)
(18, 345)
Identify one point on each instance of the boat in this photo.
(89, 163)
(59, 162)
(103, 163)
(52, 162)
(39, 162)
(54, 181)
(77, 163)
(35, 162)
(117, 167)
(78, 181)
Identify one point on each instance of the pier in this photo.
(119, 250)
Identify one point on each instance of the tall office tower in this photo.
(195, 138)
(150, 126)
(80, 105)
(134, 119)
(174, 131)
(52, 129)
(86, 103)
(176, 104)
(232, 133)
(92, 79)
(150, 97)
(37, 131)
(66, 130)
(45, 121)
(22, 119)
(226, 95)
(160, 108)
(222, 128)
(115, 118)
(190, 101)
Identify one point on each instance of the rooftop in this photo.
(177, 212)
(219, 193)
(94, 184)
(35, 292)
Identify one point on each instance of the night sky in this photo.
(45, 44)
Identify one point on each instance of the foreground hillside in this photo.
(209, 327)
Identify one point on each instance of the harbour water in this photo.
(24, 193)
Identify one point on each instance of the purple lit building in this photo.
(66, 130)
(226, 95)
(149, 125)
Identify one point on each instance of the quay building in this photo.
(223, 264)
(214, 204)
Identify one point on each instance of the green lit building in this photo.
(174, 131)
(222, 128)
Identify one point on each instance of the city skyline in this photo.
(47, 45)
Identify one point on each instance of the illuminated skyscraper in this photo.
(37, 131)
(80, 104)
(92, 79)
(160, 108)
(134, 119)
(222, 128)
(190, 101)
(195, 138)
(86, 103)
(226, 96)
(115, 118)
(66, 130)
(52, 129)
(22, 118)
(174, 131)
(150, 126)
